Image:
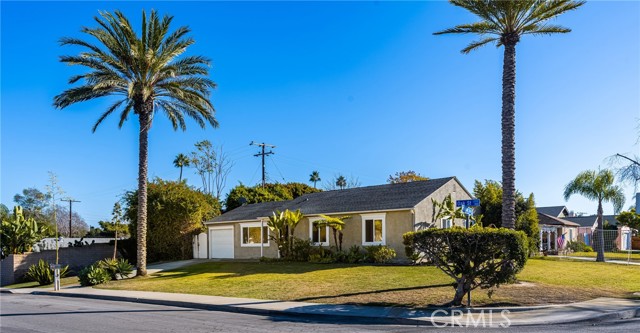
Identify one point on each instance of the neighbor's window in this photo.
(251, 235)
(319, 235)
(373, 230)
(446, 223)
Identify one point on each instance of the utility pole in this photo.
(263, 154)
(71, 201)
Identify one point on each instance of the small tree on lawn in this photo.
(474, 257)
(630, 219)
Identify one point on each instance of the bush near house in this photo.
(18, 234)
(579, 246)
(175, 213)
(474, 257)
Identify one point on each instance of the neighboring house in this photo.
(380, 215)
(555, 228)
(618, 238)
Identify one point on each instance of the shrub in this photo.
(43, 274)
(93, 275)
(355, 255)
(588, 248)
(474, 257)
(321, 255)
(379, 254)
(578, 246)
(18, 234)
(117, 268)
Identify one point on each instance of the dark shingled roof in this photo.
(552, 210)
(552, 220)
(589, 221)
(360, 199)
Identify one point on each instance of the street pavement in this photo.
(25, 313)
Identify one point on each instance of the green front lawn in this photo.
(544, 281)
(635, 257)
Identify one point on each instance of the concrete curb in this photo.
(333, 317)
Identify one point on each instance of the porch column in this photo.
(541, 249)
(548, 240)
(555, 240)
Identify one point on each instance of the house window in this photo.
(318, 235)
(446, 223)
(373, 229)
(251, 235)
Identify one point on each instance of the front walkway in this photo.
(610, 261)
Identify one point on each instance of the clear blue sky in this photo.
(363, 89)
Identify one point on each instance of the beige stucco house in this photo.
(380, 215)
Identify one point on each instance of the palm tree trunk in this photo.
(142, 189)
(508, 136)
(600, 240)
(180, 179)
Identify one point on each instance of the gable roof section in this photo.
(590, 221)
(555, 211)
(359, 199)
(552, 220)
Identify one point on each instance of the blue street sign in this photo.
(468, 203)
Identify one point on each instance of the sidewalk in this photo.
(595, 310)
(611, 261)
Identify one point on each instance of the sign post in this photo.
(467, 209)
(56, 276)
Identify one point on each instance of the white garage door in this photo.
(221, 243)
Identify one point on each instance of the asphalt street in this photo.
(31, 313)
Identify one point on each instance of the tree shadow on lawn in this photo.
(236, 269)
(316, 298)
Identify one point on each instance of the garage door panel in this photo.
(221, 243)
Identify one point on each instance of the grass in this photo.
(635, 257)
(543, 281)
(67, 281)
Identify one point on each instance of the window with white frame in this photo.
(373, 229)
(251, 235)
(318, 235)
(446, 223)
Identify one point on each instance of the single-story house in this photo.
(379, 215)
(619, 238)
(555, 230)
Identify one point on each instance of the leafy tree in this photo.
(176, 212)
(33, 202)
(145, 73)
(18, 234)
(528, 223)
(474, 257)
(490, 195)
(597, 186)
(243, 194)
(630, 219)
(283, 226)
(630, 171)
(181, 161)
(116, 226)
(336, 224)
(504, 23)
(341, 182)
(405, 177)
(4, 212)
(314, 177)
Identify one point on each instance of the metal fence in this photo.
(617, 244)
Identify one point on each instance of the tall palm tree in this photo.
(341, 182)
(181, 161)
(597, 186)
(314, 177)
(145, 75)
(504, 23)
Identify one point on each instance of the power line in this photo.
(263, 154)
(275, 165)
